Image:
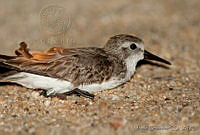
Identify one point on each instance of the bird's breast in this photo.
(109, 84)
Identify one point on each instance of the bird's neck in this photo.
(131, 63)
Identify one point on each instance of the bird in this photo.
(77, 70)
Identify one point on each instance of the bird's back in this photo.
(80, 66)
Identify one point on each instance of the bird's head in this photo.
(131, 48)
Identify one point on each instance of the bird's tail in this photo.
(5, 69)
(3, 59)
(22, 51)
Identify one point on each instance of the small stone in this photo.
(115, 98)
(116, 124)
(184, 119)
(136, 107)
(183, 95)
(73, 111)
(2, 123)
(31, 130)
(90, 103)
(47, 103)
(35, 94)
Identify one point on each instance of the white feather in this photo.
(53, 85)
(34, 81)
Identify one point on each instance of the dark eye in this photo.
(133, 46)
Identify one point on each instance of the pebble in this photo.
(90, 103)
(115, 98)
(47, 103)
(184, 119)
(35, 94)
(31, 130)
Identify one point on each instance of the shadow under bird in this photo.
(77, 70)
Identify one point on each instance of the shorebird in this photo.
(80, 70)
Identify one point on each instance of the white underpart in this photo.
(34, 81)
(112, 83)
(54, 86)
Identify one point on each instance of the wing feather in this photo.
(80, 66)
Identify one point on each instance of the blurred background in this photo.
(155, 96)
(91, 23)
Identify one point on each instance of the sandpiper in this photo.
(80, 70)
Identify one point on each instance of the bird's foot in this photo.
(81, 93)
(51, 93)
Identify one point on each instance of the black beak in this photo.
(150, 56)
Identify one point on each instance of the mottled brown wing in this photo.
(80, 65)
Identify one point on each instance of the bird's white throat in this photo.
(131, 63)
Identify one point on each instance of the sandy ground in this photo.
(156, 100)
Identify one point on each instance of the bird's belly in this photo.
(112, 83)
(54, 85)
(34, 81)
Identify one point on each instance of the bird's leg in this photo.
(51, 93)
(44, 93)
(83, 93)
